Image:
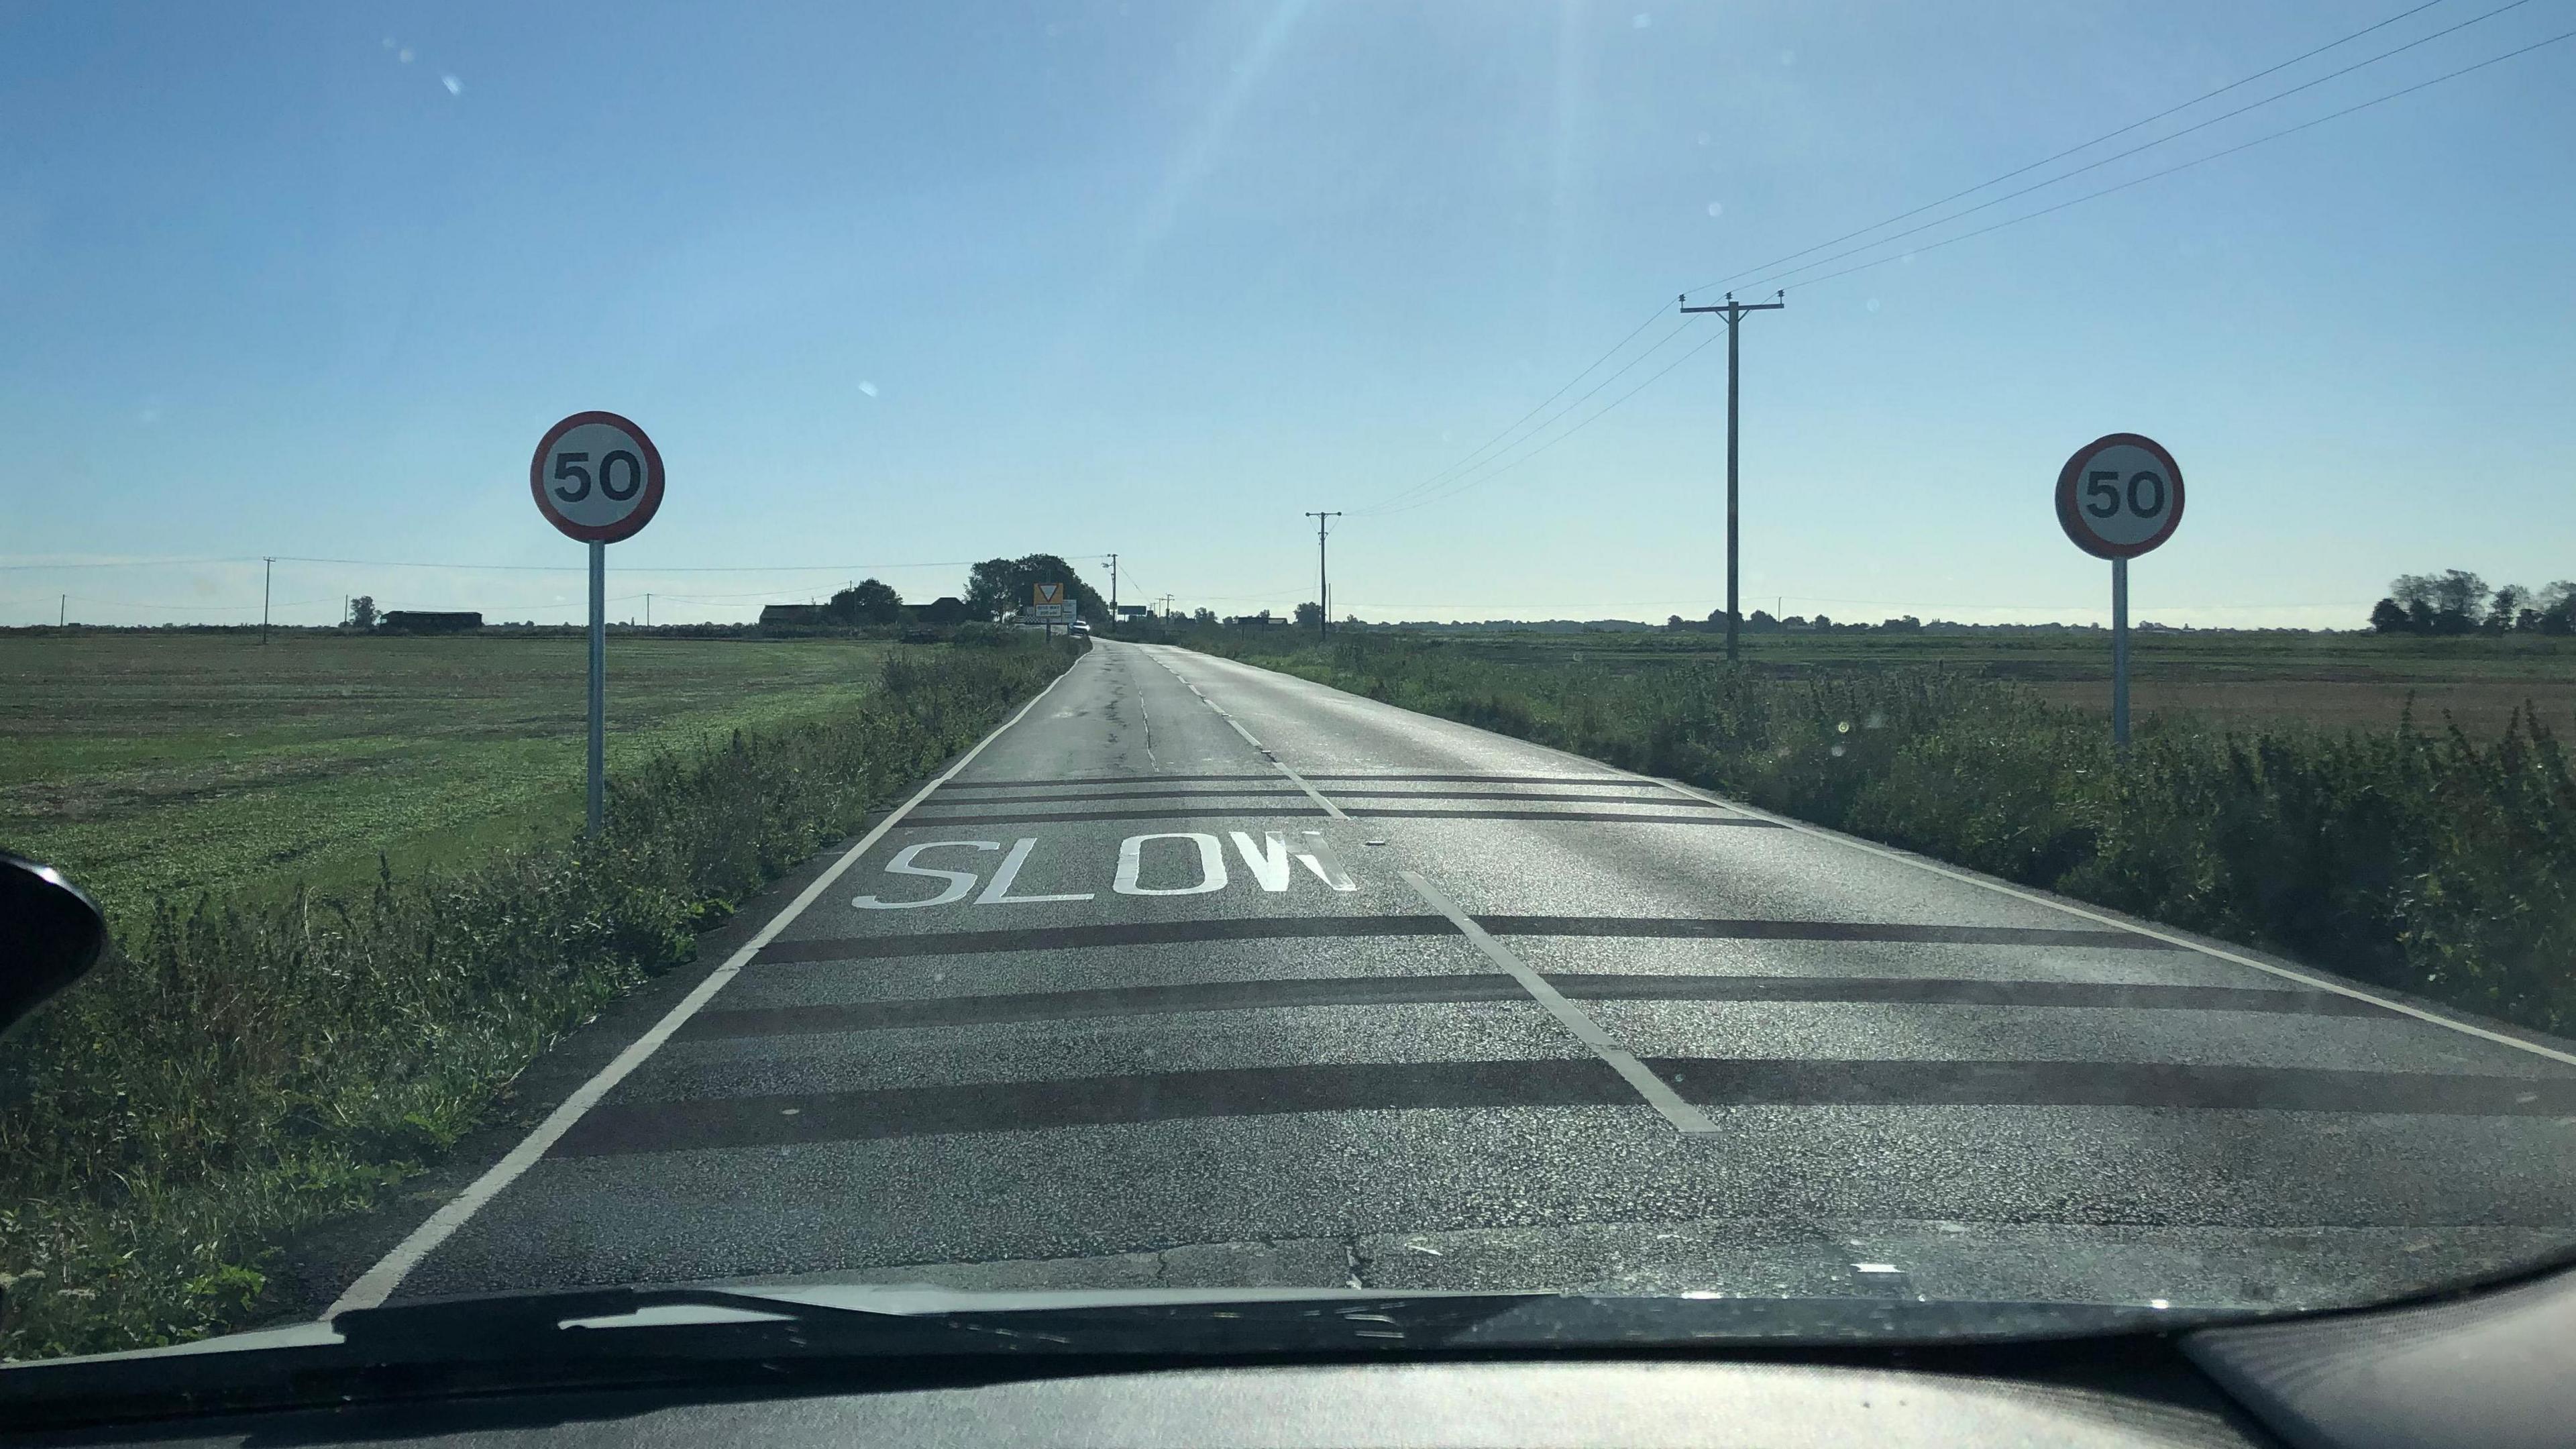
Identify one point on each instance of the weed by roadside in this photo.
(234, 1073)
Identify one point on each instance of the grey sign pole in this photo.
(2120, 653)
(598, 683)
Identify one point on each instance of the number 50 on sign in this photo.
(2119, 496)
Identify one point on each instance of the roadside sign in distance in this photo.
(1045, 594)
(2119, 496)
(597, 477)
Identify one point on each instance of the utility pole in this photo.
(62, 610)
(1113, 591)
(1323, 579)
(1733, 312)
(267, 567)
(648, 611)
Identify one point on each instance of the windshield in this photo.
(1850, 653)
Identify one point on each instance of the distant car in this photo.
(1077, 630)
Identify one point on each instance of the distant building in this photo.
(948, 609)
(424, 621)
(1262, 620)
(806, 614)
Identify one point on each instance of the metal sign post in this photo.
(598, 792)
(597, 478)
(2118, 497)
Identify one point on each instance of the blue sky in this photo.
(918, 284)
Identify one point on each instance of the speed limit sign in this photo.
(2119, 496)
(597, 477)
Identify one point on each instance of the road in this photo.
(1203, 975)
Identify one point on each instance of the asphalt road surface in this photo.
(1202, 975)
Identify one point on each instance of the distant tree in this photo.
(1203, 616)
(1311, 614)
(2505, 608)
(1676, 622)
(2389, 617)
(869, 601)
(1002, 585)
(362, 612)
(2459, 600)
(2555, 605)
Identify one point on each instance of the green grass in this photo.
(167, 763)
(2242, 677)
(246, 1064)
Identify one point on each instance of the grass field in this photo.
(172, 763)
(2334, 680)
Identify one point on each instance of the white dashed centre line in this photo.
(1327, 806)
(1658, 1093)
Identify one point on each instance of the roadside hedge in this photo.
(233, 1074)
(2418, 859)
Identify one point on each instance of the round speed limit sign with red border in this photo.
(597, 477)
(2119, 496)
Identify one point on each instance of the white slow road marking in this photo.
(1657, 1092)
(378, 1283)
(2169, 937)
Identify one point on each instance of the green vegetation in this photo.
(2261, 678)
(167, 763)
(244, 1067)
(2428, 860)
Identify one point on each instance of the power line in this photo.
(1705, 343)
(1773, 277)
(2079, 146)
(1406, 498)
(1998, 226)
(2196, 161)
(1533, 412)
(838, 568)
(1465, 481)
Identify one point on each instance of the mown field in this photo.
(2224, 677)
(286, 1029)
(169, 763)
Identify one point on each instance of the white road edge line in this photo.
(1329, 808)
(1658, 1093)
(379, 1282)
(2218, 953)
(2170, 938)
